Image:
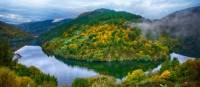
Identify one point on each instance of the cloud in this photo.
(153, 9)
(14, 18)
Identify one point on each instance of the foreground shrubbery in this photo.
(36, 75)
(17, 75)
(8, 78)
(172, 74)
(99, 81)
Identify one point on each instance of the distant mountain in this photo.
(103, 35)
(40, 27)
(14, 35)
(184, 25)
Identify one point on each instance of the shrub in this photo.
(5, 53)
(80, 82)
(165, 75)
(134, 78)
(7, 78)
(24, 82)
(99, 81)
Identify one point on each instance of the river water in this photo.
(66, 71)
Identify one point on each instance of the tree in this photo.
(98, 81)
(135, 77)
(165, 75)
(5, 53)
(80, 82)
(7, 78)
(25, 82)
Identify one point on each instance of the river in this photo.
(67, 70)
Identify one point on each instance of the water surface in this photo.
(65, 74)
(67, 70)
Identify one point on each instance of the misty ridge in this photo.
(183, 25)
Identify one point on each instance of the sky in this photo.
(19, 11)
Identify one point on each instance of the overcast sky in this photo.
(18, 11)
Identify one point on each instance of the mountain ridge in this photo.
(14, 35)
(39, 27)
(86, 21)
(104, 35)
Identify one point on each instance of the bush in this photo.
(80, 82)
(24, 82)
(99, 81)
(165, 75)
(190, 70)
(9, 79)
(5, 53)
(134, 78)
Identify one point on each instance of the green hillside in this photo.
(15, 36)
(104, 35)
(90, 18)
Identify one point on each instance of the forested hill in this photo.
(104, 35)
(40, 27)
(91, 18)
(15, 36)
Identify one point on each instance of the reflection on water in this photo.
(34, 56)
(68, 70)
(116, 69)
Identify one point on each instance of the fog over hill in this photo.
(183, 25)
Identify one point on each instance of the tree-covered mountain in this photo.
(183, 25)
(104, 35)
(14, 35)
(40, 27)
(89, 18)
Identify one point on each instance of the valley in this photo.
(102, 48)
(68, 70)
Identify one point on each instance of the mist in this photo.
(183, 25)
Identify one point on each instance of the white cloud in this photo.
(14, 17)
(146, 8)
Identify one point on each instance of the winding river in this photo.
(67, 70)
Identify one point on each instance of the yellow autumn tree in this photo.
(165, 75)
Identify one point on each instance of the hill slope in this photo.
(38, 28)
(183, 25)
(15, 36)
(89, 18)
(103, 35)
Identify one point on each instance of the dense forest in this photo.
(104, 35)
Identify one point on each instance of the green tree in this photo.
(5, 53)
(135, 77)
(7, 78)
(80, 82)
